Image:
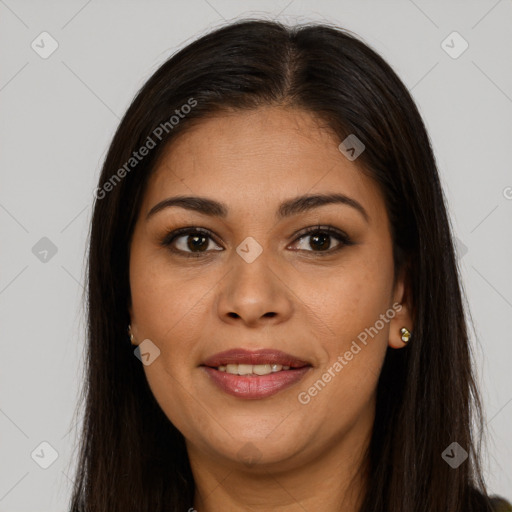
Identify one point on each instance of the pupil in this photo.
(325, 238)
(196, 244)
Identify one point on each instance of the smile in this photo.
(250, 369)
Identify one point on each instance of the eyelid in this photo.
(326, 228)
(174, 233)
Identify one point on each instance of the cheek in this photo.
(169, 309)
(167, 300)
(351, 310)
(344, 301)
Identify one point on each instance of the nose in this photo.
(254, 294)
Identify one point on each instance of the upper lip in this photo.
(262, 356)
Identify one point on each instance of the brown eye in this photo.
(320, 240)
(193, 242)
(197, 242)
(189, 242)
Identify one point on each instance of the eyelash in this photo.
(329, 230)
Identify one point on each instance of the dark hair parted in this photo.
(131, 457)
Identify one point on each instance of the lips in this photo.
(253, 386)
(254, 357)
(287, 370)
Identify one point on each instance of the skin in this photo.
(292, 297)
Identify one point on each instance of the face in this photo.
(270, 276)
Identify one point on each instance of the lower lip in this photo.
(253, 387)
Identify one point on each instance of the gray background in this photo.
(58, 116)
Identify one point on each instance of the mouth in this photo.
(254, 374)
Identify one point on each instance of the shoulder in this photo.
(500, 504)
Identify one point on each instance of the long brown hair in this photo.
(131, 456)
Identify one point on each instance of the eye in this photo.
(195, 242)
(189, 242)
(320, 239)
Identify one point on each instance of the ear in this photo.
(132, 326)
(402, 305)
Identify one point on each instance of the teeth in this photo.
(250, 369)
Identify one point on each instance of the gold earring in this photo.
(406, 334)
(130, 334)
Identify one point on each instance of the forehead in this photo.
(270, 153)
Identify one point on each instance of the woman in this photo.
(270, 226)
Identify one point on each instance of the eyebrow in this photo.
(288, 208)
